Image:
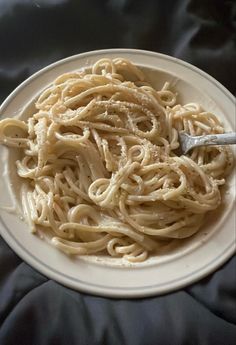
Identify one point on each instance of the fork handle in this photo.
(214, 139)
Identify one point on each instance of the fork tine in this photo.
(185, 142)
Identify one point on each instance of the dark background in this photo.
(33, 34)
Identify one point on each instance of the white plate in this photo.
(184, 262)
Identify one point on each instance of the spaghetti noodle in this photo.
(100, 168)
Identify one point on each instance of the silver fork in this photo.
(188, 142)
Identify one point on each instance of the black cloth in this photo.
(35, 310)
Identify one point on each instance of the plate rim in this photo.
(124, 292)
(116, 50)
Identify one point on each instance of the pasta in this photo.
(100, 167)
